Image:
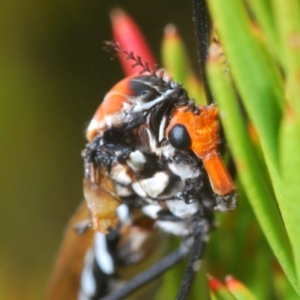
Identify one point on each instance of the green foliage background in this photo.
(53, 75)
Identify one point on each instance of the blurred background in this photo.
(53, 75)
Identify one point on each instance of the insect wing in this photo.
(99, 193)
(65, 278)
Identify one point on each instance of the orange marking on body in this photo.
(203, 129)
(111, 104)
(220, 179)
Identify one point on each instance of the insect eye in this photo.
(179, 137)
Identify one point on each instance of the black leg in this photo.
(193, 266)
(152, 273)
(201, 22)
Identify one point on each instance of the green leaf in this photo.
(262, 10)
(290, 158)
(238, 290)
(287, 16)
(174, 55)
(250, 168)
(255, 78)
(176, 62)
(283, 289)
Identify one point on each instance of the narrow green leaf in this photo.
(195, 89)
(238, 290)
(176, 62)
(254, 77)
(174, 56)
(290, 158)
(283, 289)
(287, 17)
(249, 167)
(262, 10)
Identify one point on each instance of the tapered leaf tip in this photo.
(117, 14)
(231, 282)
(214, 284)
(171, 31)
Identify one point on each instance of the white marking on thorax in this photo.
(136, 160)
(151, 210)
(123, 191)
(166, 151)
(102, 255)
(155, 185)
(115, 120)
(96, 125)
(184, 170)
(124, 214)
(120, 174)
(162, 127)
(88, 283)
(139, 190)
(181, 209)
(140, 106)
(176, 228)
(152, 141)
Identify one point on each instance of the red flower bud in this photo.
(130, 38)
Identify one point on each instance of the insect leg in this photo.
(193, 265)
(151, 273)
(201, 22)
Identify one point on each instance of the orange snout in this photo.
(203, 130)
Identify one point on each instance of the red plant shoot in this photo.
(128, 35)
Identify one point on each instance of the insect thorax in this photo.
(169, 185)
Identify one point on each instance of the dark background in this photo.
(53, 75)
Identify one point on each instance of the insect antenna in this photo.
(138, 62)
(202, 25)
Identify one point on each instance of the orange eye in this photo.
(179, 137)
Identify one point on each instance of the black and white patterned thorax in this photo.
(169, 185)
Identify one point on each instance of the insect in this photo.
(152, 157)
(151, 165)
